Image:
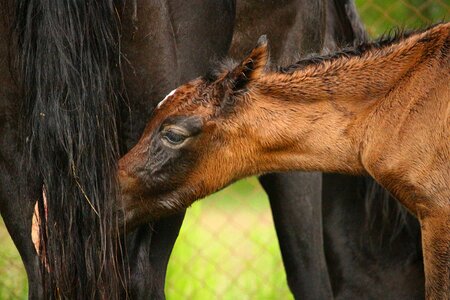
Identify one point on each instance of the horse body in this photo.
(323, 116)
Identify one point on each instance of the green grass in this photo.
(13, 281)
(380, 16)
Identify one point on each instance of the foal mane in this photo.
(394, 36)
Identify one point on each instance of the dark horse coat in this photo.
(60, 69)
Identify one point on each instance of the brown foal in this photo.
(381, 109)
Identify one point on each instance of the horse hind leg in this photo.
(436, 252)
(17, 213)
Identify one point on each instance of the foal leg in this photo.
(436, 253)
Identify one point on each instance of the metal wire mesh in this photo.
(380, 16)
(227, 248)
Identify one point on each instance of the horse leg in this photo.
(17, 207)
(295, 200)
(16, 214)
(436, 253)
(149, 248)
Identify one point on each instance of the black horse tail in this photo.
(69, 70)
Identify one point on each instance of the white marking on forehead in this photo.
(166, 97)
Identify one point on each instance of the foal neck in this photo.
(321, 113)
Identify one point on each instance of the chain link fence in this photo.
(380, 16)
(227, 248)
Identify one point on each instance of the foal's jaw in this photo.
(131, 213)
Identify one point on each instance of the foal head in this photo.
(196, 142)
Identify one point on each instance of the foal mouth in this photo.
(133, 205)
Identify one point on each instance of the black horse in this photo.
(85, 101)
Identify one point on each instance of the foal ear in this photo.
(252, 66)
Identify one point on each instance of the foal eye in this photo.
(174, 138)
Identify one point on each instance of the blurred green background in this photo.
(227, 248)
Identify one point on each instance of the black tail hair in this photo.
(69, 68)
